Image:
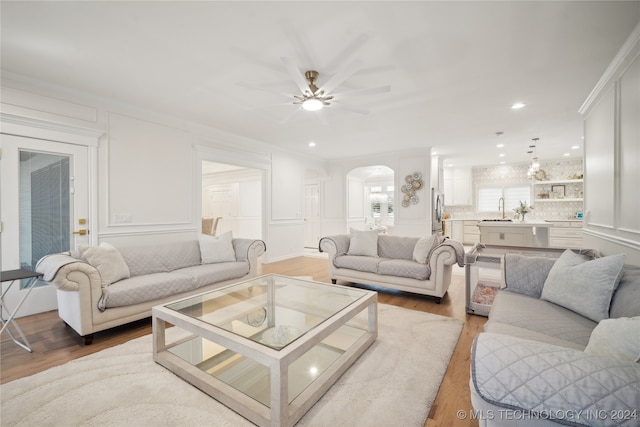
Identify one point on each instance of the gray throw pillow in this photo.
(363, 243)
(616, 338)
(423, 248)
(108, 261)
(217, 249)
(585, 287)
(526, 275)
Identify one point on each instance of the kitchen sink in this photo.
(497, 220)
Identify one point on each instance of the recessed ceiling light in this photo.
(501, 155)
(502, 162)
(518, 105)
(500, 145)
(575, 147)
(312, 144)
(566, 154)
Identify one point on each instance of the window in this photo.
(381, 202)
(489, 198)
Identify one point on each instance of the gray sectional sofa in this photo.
(410, 264)
(561, 346)
(101, 287)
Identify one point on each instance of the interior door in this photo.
(44, 209)
(311, 216)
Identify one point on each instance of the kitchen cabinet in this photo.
(455, 229)
(566, 234)
(573, 191)
(521, 234)
(457, 187)
(470, 232)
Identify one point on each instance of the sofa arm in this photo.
(335, 245)
(68, 273)
(249, 250)
(554, 383)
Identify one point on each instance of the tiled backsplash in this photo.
(517, 174)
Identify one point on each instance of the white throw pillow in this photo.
(423, 248)
(585, 287)
(363, 243)
(616, 338)
(217, 249)
(108, 261)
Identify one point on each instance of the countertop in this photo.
(514, 224)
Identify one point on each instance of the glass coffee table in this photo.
(269, 347)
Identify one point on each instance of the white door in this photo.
(311, 216)
(44, 209)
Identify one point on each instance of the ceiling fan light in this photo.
(312, 104)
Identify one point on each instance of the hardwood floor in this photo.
(54, 343)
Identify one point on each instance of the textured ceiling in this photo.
(454, 68)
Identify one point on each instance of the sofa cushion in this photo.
(404, 268)
(396, 247)
(206, 274)
(585, 287)
(539, 316)
(626, 299)
(423, 248)
(363, 243)
(161, 258)
(355, 262)
(214, 249)
(145, 288)
(616, 338)
(526, 275)
(108, 261)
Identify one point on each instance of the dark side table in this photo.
(12, 276)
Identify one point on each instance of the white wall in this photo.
(148, 169)
(414, 220)
(612, 156)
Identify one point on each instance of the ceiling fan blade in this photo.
(344, 107)
(296, 74)
(362, 92)
(347, 52)
(257, 87)
(341, 76)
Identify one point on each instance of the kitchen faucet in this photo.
(501, 199)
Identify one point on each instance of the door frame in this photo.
(24, 127)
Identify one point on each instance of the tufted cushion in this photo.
(161, 258)
(356, 262)
(396, 247)
(404, 268)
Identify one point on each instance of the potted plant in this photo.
(523, 209)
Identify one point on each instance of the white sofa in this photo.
(393, 264)
(539, 363)
(92, 299)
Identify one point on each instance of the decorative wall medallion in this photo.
(413, 184)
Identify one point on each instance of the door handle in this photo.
(81, 232)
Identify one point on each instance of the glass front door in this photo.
(44, 209)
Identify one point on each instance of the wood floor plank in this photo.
(54, 343)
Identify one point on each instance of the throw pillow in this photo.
(616, 338)
(363, 243)
(526, 275)
(108, 261)
(423, 248)
(217, 249)
(585, 287)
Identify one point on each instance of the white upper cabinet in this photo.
(457, 187)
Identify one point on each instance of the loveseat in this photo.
(99, 287)
(410, 264)
(561, 346)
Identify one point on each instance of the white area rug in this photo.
(394, 383)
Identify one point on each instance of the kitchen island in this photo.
(530, 234)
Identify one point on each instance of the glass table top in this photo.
(271, 310)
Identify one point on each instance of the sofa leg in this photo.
(87, 339)
(438, 300)
(334, 281)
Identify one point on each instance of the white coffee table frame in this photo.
(281, 412)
